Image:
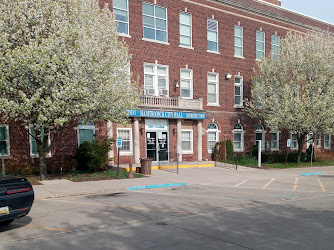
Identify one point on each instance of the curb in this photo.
(157, 186)
(175, 166)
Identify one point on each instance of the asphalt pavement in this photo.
(190, 176)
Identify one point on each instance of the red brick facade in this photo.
(251, 15)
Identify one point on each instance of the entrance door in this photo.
(163, 146)
(157, 146)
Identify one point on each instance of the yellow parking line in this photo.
(269, 183)
(109, 205)
(322, 186)
(241, 183)
(295, 185)
(47, 228)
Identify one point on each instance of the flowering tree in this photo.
(295, 91)
(61, 60)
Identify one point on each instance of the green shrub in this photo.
(219, 151)
(281, 157)
(309, 153)
(254, 151)
(229, 150)
(92, 156)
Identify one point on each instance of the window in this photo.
(327, 141)
(260, 45)
(274, 141)
(213, 137)
(259, 136)
(155, 22)
(126, 135)
(294, 141)
(238, 41)
(120, 9)
(187, 141)
(86, 130)
(187, 83)
(238, 138)
(213, 88)
(319, 140)
(33, 143)
(185, 29)
(275, 46)
(212, 28)
(238, 91)
(4, 140)
(156, 79)
(309, 139)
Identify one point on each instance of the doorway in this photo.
(157, 145)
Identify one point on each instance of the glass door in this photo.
(151, 145)
(163, 146)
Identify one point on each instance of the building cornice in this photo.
(260, 12)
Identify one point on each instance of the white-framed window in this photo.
(238, 41)
(260, 45)
(238, 138)
(156, 79)
(327, 141)
(86, 131)
(126, 135)
(213, 136)
(318, 140)
(4, 140)
(212, 35)
(294, 140)
(187, 141)
(275, 46)
(154, 22)
(213, 97)
(259, 136)
(309, 139)
(274, 140)
(186, 83)
(121, 11)
(185, 29)
(238, 91)
(33, 143)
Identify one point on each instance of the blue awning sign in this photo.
(166, 114)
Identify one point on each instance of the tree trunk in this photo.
(301, 141)
(42, 165)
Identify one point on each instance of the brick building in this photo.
(194, 60)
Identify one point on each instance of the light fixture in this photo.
(176, 85)
(228, 76)
(142, 130)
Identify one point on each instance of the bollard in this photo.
(130, 176)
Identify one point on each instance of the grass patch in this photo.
(78, 176)
(249, 161)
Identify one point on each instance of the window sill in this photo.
(37, 156)
(155, 41)
(213, 105)
(124, 35)
(213, 52)
(239, 150)
(240, 57)
(238, 106)
(186, 47)
(274, 149)
(187, 152)
(125, 153)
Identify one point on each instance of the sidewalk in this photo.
(190, 176)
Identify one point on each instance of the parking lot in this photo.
(279, 211)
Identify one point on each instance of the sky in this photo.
(319, 9)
